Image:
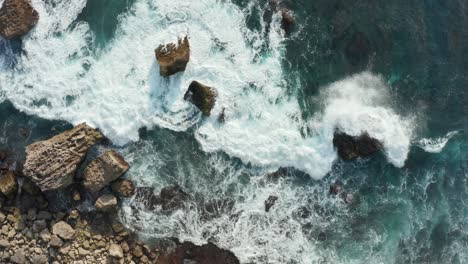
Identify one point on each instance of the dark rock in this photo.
(147, 197)
(30, 188)
(202, 96)
(173, 197)
(124, 188)
(358, 49)
(349, 147)
(288, 20)
(302, 212)
(17, 17)
(173, 59)
(187, 252)
(8, 184)
(103, 170)
(52, 163)
(222, 116)
(270, 202)
(275, 176)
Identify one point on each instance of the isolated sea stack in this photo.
(51, 164)
(17, 18)
(202, 96)
(350, 147)
(173, 59)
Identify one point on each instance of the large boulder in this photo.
(202, 96)
(106, 203)
(173, 58)
(17, 17)
(350, 147)
(187, 252)
(103, 170)
(63, 230)
(52, 163)
(8, 184)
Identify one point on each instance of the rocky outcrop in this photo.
(51, 164)
(202, 96)
(8, 184)
(106, 203)
(173, 58)
(17, 17)
(123, 188)
(350, 147)
(187, 252)
(103, 170)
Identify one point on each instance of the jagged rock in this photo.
(187, 252)
(123, 188)
(202, 96)
(52, 163)
(106, 202)
(173, 59)
(270, 202)
(349, 147)
(17, 17)
(103, 170)
(8, 184)
(116, 251)
(63, 230)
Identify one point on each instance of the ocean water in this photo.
(403, 81)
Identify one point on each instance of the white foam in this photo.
(436, 145)
(119, 90)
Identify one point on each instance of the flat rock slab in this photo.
(17, 17)
(52, 163)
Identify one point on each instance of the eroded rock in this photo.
(103, 170)
(17, 17)
(52, 163)
(202, 96)
(173, 58)
(124, 188)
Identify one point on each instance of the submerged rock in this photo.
(187, 252)
(147, 197)
(173, 197)
(52, 163)
(8, 184)
(202, 96)
(270, 202)
(103, 170)
(350, 147)
(124, 188)
(17, 17)
(173, 59)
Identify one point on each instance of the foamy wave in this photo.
(436, 145)
(119, 90)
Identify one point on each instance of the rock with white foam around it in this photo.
(173, 58)
(202, 96)
(350, 147)
(17, 17)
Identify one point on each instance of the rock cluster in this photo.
(173, 58)
(52, 163)
(17, 17)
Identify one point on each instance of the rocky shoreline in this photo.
(35, 227)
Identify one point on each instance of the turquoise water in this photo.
(277, 92)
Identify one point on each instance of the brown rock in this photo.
(17, 17)
(104, 169)
(173, 59)
(349, 147)
(106, 202)
(63, 230)
(116, 251)
(124, 188)
(137, 251)
(202, 96)
(8, 184)
(52, 164)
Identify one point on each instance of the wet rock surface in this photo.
(52, 163)
(202, 96)
(350, 147)
(173, 58)
(17, 18)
